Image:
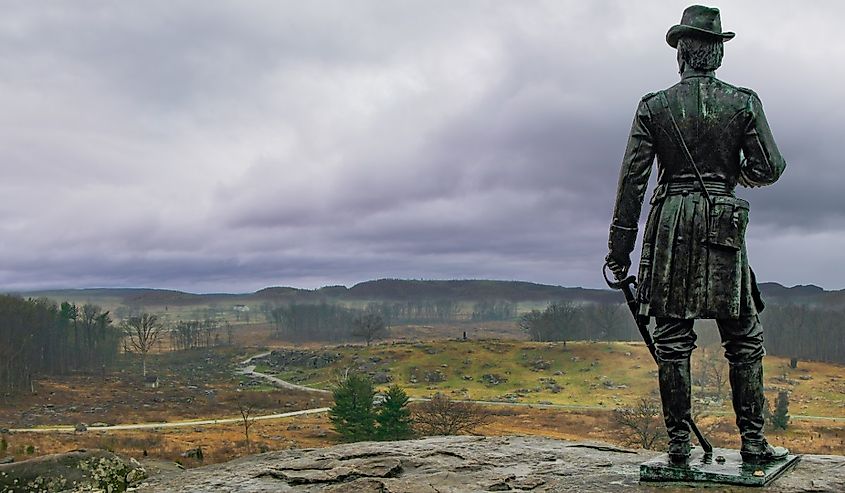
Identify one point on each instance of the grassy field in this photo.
(588, 374)
(589, 379)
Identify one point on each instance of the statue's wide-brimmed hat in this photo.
(698, 21)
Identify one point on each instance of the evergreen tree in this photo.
(780, 418)
(352, 414)
(394, 417)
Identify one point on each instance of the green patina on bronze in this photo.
(707, 137)
(682, 274)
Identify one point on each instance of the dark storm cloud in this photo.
(226, 146)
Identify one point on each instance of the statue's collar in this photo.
(687, 74)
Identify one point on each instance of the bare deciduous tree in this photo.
(712, 370)
(247, 409)
(642, 423)
(556, 323)
(610, 320)
(369, 326)
(441, 415)
(143, 333)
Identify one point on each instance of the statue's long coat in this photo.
(725, 130)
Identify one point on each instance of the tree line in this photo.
(790, 330)
(326, 322)
(569, 321)
(300, 322)
(194, 334)
(39, 337)
(417, 311)
(805, 332)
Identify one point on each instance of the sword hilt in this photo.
(619, 283)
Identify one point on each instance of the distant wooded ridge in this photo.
(404, 290)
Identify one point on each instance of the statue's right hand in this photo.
(618, 264)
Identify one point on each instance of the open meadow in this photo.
(563, 390)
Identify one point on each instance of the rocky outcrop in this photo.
(461, 464)
(283, 359)
(80, 470)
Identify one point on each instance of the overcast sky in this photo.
(228, 146)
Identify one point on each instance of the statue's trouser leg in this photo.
(674, 341)
(743, 342)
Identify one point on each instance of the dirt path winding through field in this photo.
(244, 368)
(247, 368)
(171, 424)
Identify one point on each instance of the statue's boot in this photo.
(674, 378)
(748, 401)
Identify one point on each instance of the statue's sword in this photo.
(627, 286)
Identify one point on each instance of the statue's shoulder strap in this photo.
(665, 102)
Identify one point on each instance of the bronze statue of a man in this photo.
(708, 137)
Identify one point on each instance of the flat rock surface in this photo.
(463, 464)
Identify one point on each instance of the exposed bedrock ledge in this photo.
(462, 464)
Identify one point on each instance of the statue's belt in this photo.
(686, 187)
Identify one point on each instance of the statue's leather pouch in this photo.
(728, 221)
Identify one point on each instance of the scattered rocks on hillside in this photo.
(381, 377)
(550, 384)
(413, 376)
(426, 348)
(493, 379)
(435, 376)
(282, 359)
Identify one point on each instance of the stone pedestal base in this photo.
(702, 469)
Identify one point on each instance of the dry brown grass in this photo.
(123, 399)
(219, 442)
(802, 436)
(225, 442)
